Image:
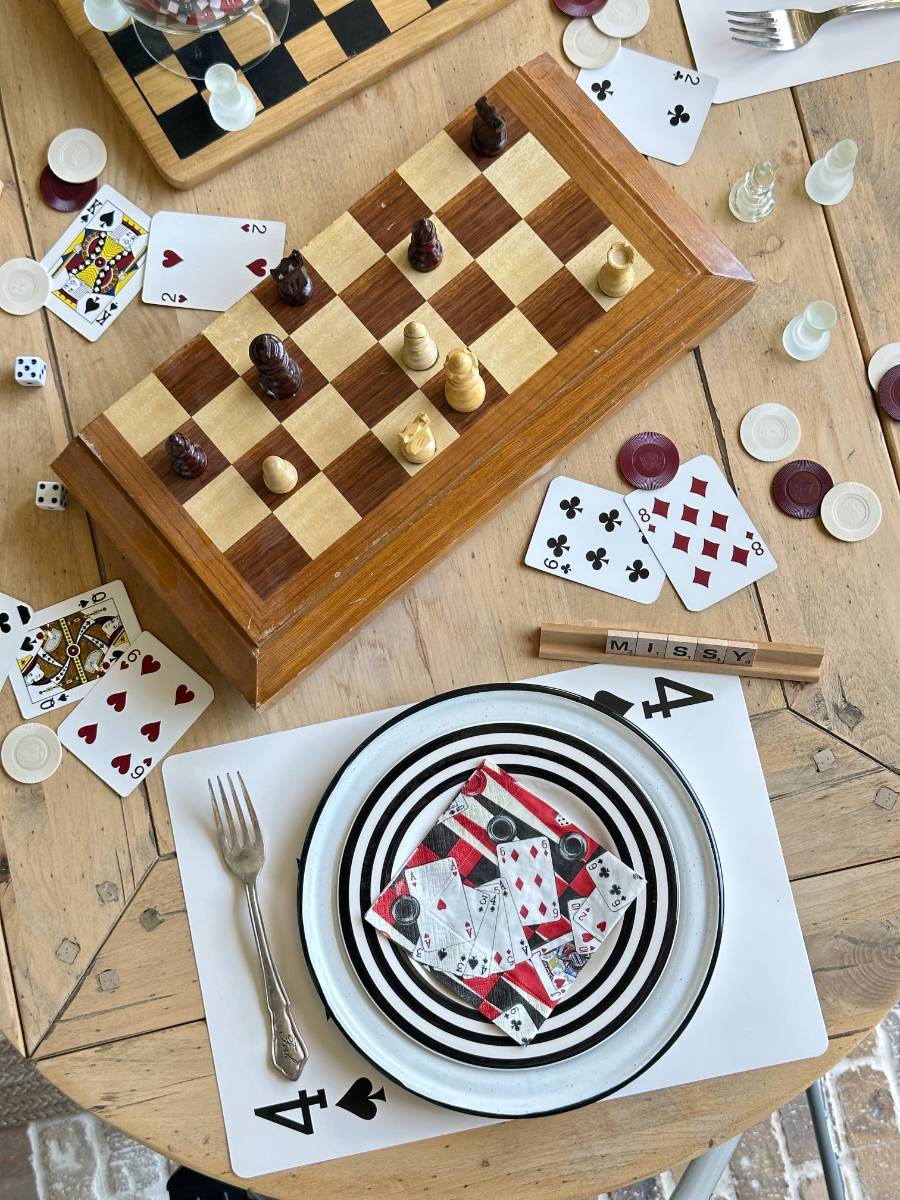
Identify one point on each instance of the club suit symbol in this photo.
(602, 89)
(571, 507)
(558, 545)
(678, 116)
(359, 1099)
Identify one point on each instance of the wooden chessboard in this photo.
(329, 50)
(269, 583)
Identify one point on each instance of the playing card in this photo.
(68, 647)
(198, 261)
(15, 617)
(660, 107)
(585, 942)
(444, 916)
(587, 534)
(557, 964)
(135, 714)
(701, 534)
(616, 886)
(97, 265)
(527, 870)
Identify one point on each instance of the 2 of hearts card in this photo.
(197, 261)
(505, 900)
(97, 266)
(135, 714)
(660, 107)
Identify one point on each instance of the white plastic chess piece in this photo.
(808, 335)
(231, 102)
(752, 198)
(105, 15)
(829, 179)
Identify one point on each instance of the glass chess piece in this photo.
(830, 178)
(106, 15)
(752, 198)
(808, 335)
(231, 102)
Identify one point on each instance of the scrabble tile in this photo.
(678, 646)
(651, 645)
(710, 650)
(741, 653)
(621, 641)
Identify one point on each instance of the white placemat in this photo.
(847, 44)
(760, 1008)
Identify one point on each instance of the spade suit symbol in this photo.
(359, 1099)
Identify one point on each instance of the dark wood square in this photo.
(461, 131)
(267, 556)
(382, 297)
(279, 442)
(434, 390)
(568, 221)
(471, 303)
(478, 216)
(366, 474)
(183, 489)
(313, 381)
(195, 374)
(387, 213)
(560, 308)
(292, 316)
(374, 385)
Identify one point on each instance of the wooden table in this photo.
(97, 979)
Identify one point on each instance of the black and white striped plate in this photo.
(634, 997)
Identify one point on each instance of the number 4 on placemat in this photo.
(685, 696)
(359, 1099)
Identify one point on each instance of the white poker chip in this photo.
(851, 512)
(770, 432)
(622, 18)
(585, 46)
(76, 155)
(882, 361)
(24, 286)
(31, 753)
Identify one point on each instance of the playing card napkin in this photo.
(506, 900)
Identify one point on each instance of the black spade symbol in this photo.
(107, 219)
(92, 305)
(359, 1099)
(28, 645)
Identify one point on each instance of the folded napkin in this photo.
(505, 900)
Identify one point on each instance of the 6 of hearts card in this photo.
(135, 714)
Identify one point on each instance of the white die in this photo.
(51, 495)
(30, 370)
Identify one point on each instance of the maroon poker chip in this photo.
(649, 460)
(889, 392)
(579, 8)
(799, 488)
(65, 197)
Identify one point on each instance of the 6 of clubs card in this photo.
(97, 266)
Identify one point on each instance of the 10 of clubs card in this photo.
(660, 107)
(68, 647)
(96, 267)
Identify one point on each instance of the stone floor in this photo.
(78, 1158)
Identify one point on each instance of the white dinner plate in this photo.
(631, 1001)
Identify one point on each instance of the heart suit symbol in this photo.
(150, 665)
(116, 701)
(150, 730)
(183, 694)
(171, 259)
(257, 267)
(88, 733)
(121, 762)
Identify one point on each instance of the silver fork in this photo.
(244, 854)
(790, 28)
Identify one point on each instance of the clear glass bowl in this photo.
(188, 16)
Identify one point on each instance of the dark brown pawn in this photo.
(425, 249)
(294, 284)
(488, 130)
(280, 375)
(186, 457)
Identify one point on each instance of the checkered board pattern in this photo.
(522, 246)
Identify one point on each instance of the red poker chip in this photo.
(65, 197)
(579, 8)
(649, 461)
(889, 392)
(799, 488)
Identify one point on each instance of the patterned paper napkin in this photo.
(506, 900)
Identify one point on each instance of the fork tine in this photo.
(220, 832)
(752, 26)
(229, 819)
(762, 12)
(239, 810)
(257, 832)
(761, 43)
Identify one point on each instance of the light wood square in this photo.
(325, 426)
(512, 350)
(519, 262)
(397, 13)
(250, 37)
(327, 7)
(342, 252)
(317, 515)
(587, 263)
(388, 430)
(236, 419)
(232, 333)
(316, 50)
(445, 339)
(227, 508)
(456, 258)
(526, 174)
(438, 171)
(333, 338)
(146, 415)
(163, 89)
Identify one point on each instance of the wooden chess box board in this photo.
(329, 50)
(269, 583)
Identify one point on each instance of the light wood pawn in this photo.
(463, 385)
(279, 475)
(420, 352)
(417, 441)
(616, 276)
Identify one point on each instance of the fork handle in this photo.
(847, 10)
(289, 1052)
